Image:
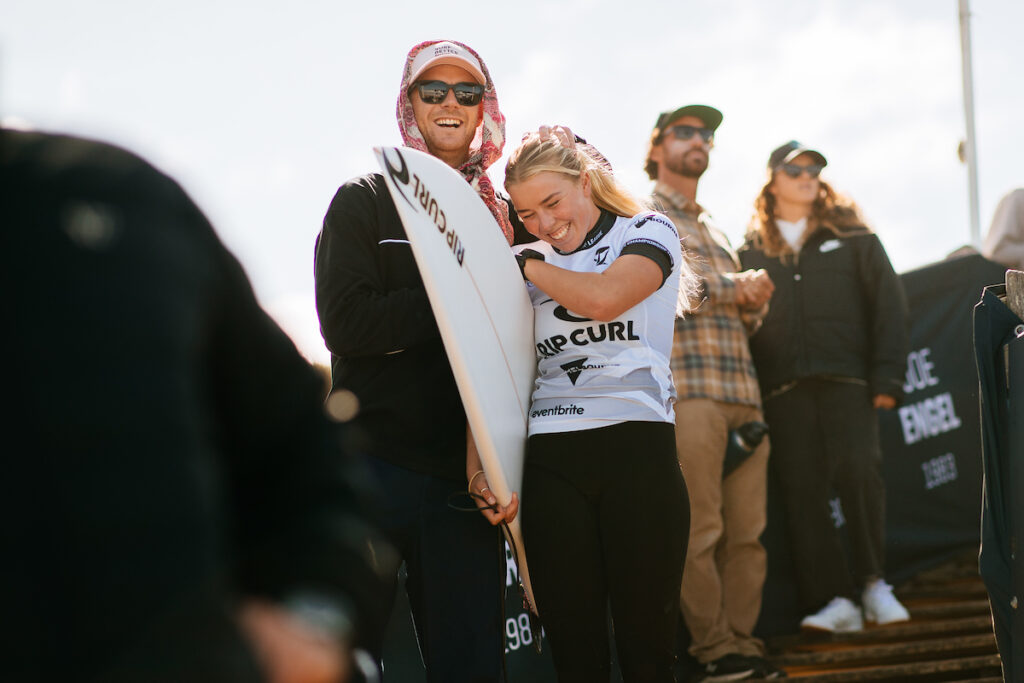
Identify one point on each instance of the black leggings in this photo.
(606, 518)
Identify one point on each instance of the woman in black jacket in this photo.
(830, 352)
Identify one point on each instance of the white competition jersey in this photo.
(594, 374)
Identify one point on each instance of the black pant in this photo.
(606, 517)
(824, 439)
(456, 576)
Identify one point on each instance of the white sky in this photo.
(262, 109)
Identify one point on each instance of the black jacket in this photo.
(166, 448)
(379, 327)
(838, 310)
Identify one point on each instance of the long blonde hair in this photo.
(535, 156)
(831, 210)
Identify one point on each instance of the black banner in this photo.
(932, 443)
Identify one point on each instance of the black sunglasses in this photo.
(684, 132)
(794, 170)
(434, 92)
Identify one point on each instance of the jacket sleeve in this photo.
(886, 304)
(295, 494)
(361, 313)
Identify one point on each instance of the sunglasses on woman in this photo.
(794, 170)
(434, 92)
(684, 132)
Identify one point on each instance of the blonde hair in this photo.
(831, 210)
(534, 156)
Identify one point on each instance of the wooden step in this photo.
(958, 588)
(908, 630)
(949, 638)
(949, 608)
(935, 670)
(877, 654)
(922, 616)
(964, 566)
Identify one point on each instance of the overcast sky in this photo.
(262, 109)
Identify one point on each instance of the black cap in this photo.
(711, 117)
(791, 150)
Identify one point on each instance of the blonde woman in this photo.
(607, 517)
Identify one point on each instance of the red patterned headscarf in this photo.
(483, 151)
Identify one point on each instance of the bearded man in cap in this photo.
(386, 352)
(717, 392)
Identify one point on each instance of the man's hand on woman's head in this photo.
(561, 134)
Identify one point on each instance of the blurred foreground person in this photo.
(831, 351)
(175, 504)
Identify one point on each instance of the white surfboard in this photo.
(482, 310)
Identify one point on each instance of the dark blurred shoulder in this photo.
(49, 155)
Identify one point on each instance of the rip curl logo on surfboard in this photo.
(424, 202)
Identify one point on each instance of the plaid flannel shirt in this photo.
(710, 354)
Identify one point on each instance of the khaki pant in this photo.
(725, 564)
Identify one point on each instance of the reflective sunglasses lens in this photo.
(468, 94)
(433, 92)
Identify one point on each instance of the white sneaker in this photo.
(881, 606)
(838, 616)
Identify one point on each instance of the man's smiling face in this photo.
(447, 128)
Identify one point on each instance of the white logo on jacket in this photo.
(829, 245)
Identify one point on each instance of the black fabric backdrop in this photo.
(932, 468)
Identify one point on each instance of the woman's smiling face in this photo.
(556, 208)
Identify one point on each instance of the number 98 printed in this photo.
(518, 633)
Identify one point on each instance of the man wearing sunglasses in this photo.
(386, 352)
(717, 392)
